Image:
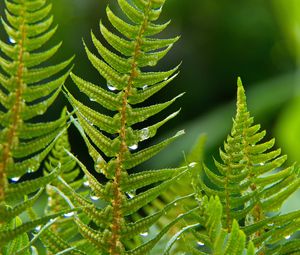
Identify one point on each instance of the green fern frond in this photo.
(115, 137)
(251, 180)
(18, 243)
(27, 89)
(210, 236)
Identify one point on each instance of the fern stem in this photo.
(16, 111)
(227, 197)
(116, 246)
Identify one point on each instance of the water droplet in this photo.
(193, 164)
(133, 147)
(99, 164)
(38, 228)
(200, 243)
(86, 184)
(287, 237)
(175, 204)
(68, 215)
(15, 179)
(144, 234)
(111, 88)
(34, 250)
(145, 87)
(261, 164)
(92, 99)
(51, 220)
(145, 134)
(30, 170)
(94, 198)
(130, 195)
(11, 40)
(166, 78)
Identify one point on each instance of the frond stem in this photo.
(16, 110)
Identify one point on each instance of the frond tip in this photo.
(250, 179)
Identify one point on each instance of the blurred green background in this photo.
(257, 40)
(221, 40)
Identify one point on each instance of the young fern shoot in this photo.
(251, 182)
(115, 136)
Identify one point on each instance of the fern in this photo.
(27, 89)
(116, 137)
(252, 183)
(211, 236)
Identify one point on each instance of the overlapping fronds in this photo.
(113, 140)
(251, 180)
(210, 236)
(28, 88)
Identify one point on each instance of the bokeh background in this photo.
(220, 40)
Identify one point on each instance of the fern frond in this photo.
(113, 139)
(17, 243)
(251, 180)
(210, 236)
(27, 89)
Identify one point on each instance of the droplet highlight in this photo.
(133, 147)
(68, 215)
(144, 234)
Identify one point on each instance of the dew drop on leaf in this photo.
(145, 87)
(133, 147)
(200, 243)
(130, 195)
(15, 179)
(287, 237)
(38, 228)
(68, 215)
(145, 133)
(30, 170)
(144, 234)
(111, 88)
(193, 164)
(86, 184)
(34, 250)
(94, 198)
(11, 40)
(92, 99)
